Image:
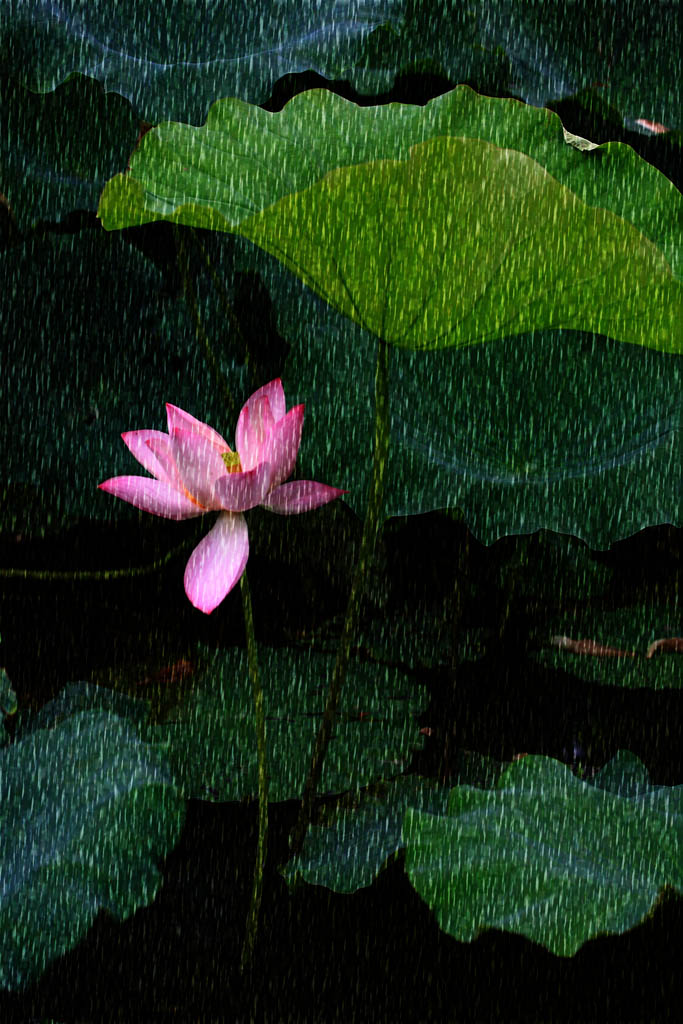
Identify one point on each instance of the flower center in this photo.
(232, 462)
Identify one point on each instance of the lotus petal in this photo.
(237, 492)
(217, 562)
(300, 496)
(282, 445)
(152, 457)
(155, 496)
(199, 463)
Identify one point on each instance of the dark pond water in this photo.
(377, 954)
(471, 624)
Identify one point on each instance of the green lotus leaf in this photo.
(208, 736)
(552, 430)
(349, 847)
(427, 241)
(546, 855)
(58, 150)
(388, 245)
(86, 813)
(211, 742)
(175, 60)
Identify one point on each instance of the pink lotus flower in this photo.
(195, 472)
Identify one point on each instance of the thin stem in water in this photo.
(260, 724)
(371, 526)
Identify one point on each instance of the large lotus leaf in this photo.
(211, 741)
(556, 48)
(72, 387)
(553, 430)
(56, 151)
(386, 244)
(549, 50)
(173, 59)
(273, 155)
(631, 628)
(546, 855)
(385, 240)
(557, 430)
(86, 813)
(348, 849)
(348, 853)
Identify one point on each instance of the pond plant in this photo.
(483, 317)
(194, 471)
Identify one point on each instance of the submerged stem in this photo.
(371, 526)
(260, 724)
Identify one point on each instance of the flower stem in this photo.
(260, 723)
(371, 526)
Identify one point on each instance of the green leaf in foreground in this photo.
(547, 856)
(464, 243)
(349, 849)
(426, 240)
(211, 743)
(349, 853)
(208, 736)
(553, 430)
(86, 813)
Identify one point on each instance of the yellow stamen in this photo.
(232, 462)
